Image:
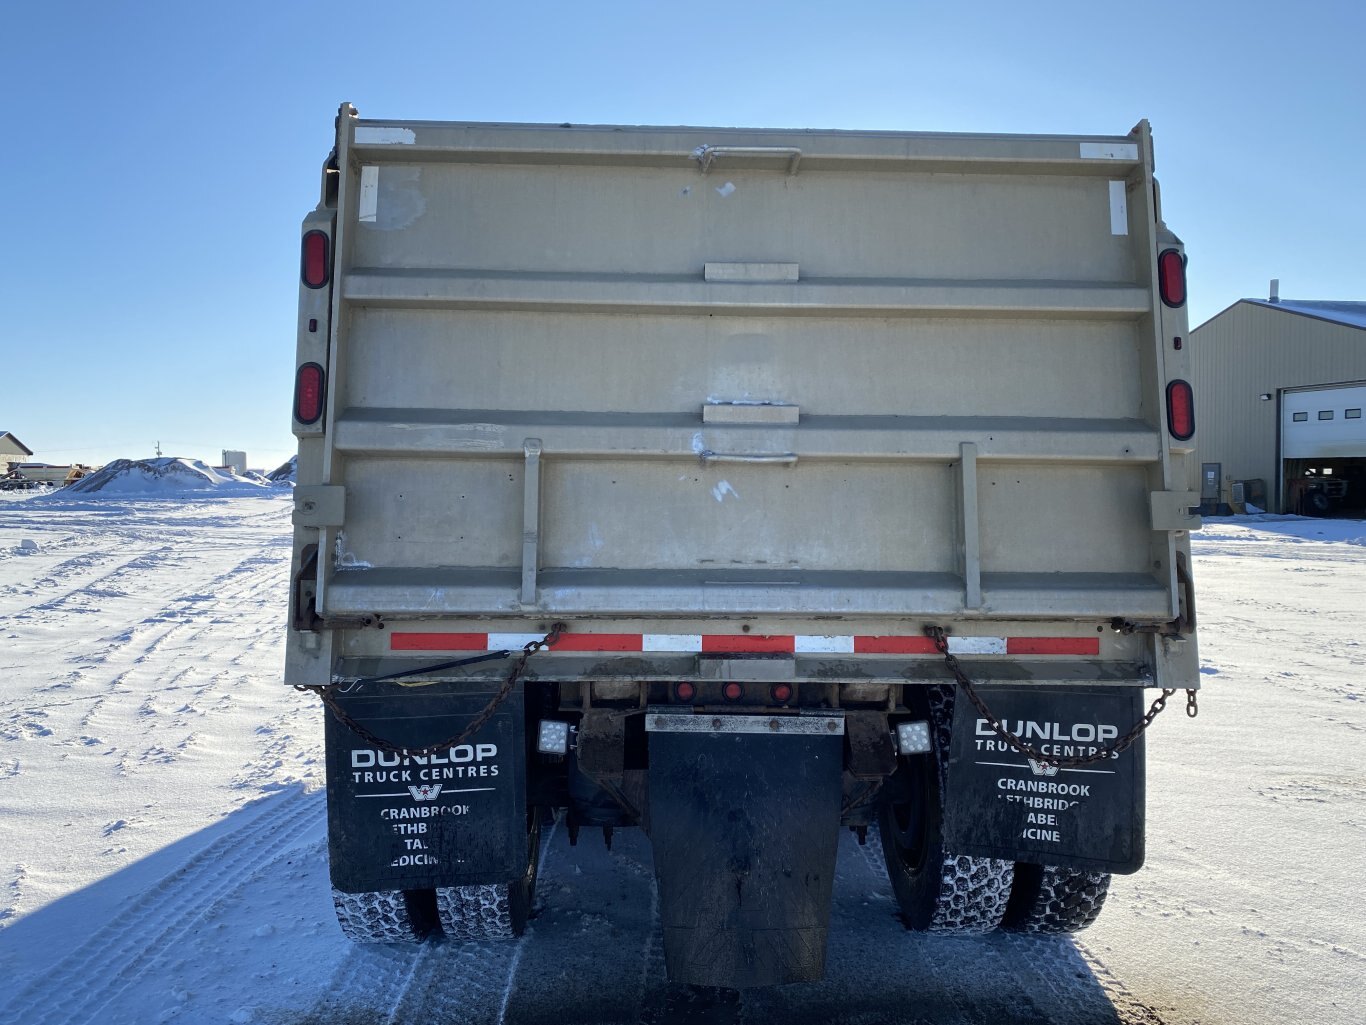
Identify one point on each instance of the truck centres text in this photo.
(373, 766)
(1075, 741)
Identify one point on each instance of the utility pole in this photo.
(158, 450)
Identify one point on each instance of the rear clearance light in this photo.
(308, 393)
(781, 693)
(685, 691)
(732, 692)
(1180, 410)
(1171, 277)
(316, 267)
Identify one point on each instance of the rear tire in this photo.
(492, 910)
(377, 916)
(936, 890)
(1046, 899)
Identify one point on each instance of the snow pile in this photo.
(163, 477)
(286, 473)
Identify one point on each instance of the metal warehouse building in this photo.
(1280, 386)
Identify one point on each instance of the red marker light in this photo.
(1171, 278)
(308, 393)
(316, 270)
(732, 692)
(685, 691)
(781, 692)
(1180, 410)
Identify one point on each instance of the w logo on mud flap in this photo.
(1037, 767)
(426, 792)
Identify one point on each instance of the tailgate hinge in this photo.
(1172, 510)
(319, 505)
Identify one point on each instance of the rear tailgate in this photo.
(689, 373)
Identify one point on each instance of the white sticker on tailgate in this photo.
(370, 135)
(369, 193)
(1119, 209)
(1102, 150)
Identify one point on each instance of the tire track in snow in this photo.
(63, 582)
(146, 934)
(56, 575)
(209, 607)
(178, 625)
(174, 683)
(69, 589)
(57, 610)
(105, 587)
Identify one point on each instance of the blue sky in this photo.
(159, 156)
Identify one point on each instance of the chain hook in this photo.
(1192, 706)
(549, 640)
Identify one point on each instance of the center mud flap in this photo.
(451, 818)
(744, 821)
(1001, 804)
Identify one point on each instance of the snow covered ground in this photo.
(162, 851)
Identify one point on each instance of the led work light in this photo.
(913, 738)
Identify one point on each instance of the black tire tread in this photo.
(1051, 900)
(482, 912)
(376, 916)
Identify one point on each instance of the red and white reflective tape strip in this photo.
(801, 644)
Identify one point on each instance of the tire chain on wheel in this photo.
(1064, 900)
(975, 891)
(477, 912)
(474, 912)
(492, 911)
(376, 916)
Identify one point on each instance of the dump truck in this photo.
(749, 488)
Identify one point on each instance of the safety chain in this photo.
(529, 649)
(941, 643)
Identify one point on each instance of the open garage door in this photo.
(1323, 450)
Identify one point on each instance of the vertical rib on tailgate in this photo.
(694, 371)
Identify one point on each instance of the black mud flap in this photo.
(744, 822)
(1000, 804)
(452, 818)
